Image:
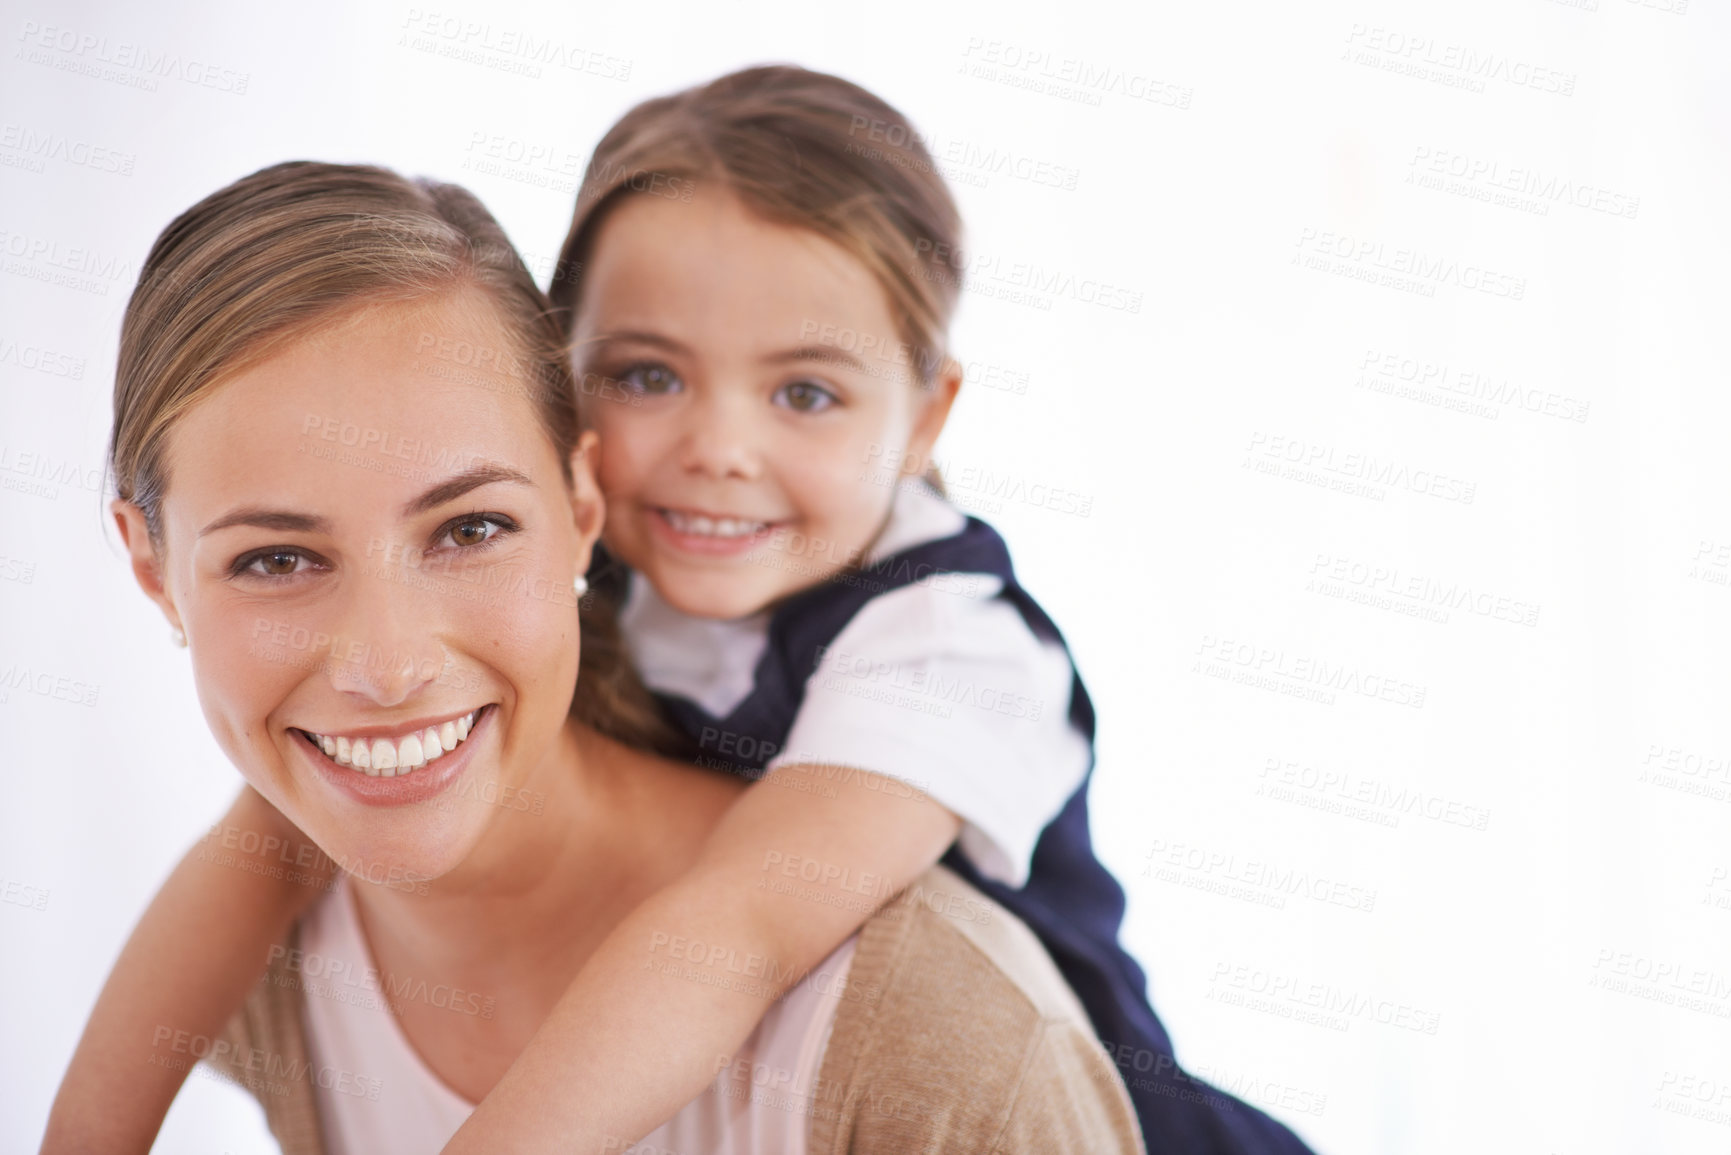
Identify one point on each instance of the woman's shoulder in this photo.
(958, 1032)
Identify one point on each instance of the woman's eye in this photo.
(473, 531)
(805, 397)
(275, 563)
(476, 530)
(651, 380)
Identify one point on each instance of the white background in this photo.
(1574, 954)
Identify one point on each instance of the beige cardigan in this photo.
(974, 1044)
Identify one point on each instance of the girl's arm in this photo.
(201, 943)
(661, 1006)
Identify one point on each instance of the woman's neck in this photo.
(542, 890)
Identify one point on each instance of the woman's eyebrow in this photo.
(268, 519)
(448, 490)
(461, 483)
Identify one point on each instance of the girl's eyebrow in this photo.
(639, 337)
(825, 353)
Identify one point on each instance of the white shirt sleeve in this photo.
(945, 688)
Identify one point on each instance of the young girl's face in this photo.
(752, 405)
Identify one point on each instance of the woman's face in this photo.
(368, 542)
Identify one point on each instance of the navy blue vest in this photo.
(1071, 902)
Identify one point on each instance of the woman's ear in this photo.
(146, 565)
(588, 508)
(933, 411)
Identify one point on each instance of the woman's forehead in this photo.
(387, 398)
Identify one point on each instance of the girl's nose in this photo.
(721, 438)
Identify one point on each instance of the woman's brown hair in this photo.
(294, 247)
(799, 148)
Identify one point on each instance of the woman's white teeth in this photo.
(712, 526)
(384, 758)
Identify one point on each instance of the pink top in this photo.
(376, 1094)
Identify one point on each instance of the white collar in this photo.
(712, 662)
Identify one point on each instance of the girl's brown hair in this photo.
(799, 148)
(294, 247)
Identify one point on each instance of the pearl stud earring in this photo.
(177, 636)
(580, 586)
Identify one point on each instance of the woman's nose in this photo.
(387, 650)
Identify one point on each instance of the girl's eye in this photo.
(805, 397)
(477, 530)
(651, 380)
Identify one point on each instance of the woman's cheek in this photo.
(527, 628)
(244, 668)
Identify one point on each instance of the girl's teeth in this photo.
(697, 523)
(382, 758)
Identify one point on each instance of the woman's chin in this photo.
(409, 867)
(399, 832)
(400, 853)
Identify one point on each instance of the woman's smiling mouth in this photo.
(390, 755)
(411, 775)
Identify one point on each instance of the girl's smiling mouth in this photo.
(711, 534)
(712, 525)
